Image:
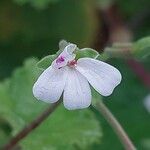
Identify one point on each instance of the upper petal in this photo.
(102, 76)
(70, 48)
(50, 85)
(77, 92)
(66, 56)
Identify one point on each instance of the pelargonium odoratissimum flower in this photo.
(73, 77)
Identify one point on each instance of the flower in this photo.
(73, 78)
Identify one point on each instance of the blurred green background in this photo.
(31, 29)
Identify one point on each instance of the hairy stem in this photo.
(124, 139)
(29, 128)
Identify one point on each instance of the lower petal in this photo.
(77, 92)
(50, 85)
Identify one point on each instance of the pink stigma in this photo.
(60, 59)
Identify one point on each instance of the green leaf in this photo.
(86, 52)
(45, 62)
(141, 48)
(62, 130)
(65, 130)
(103, 57)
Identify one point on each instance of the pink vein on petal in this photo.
(60, 59)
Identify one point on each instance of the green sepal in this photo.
(141, 48)
(103, 57)
(86, 52)
(45, 62)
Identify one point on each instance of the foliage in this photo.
(141, 48)
(64, 129)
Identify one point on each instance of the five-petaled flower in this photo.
(73, 78)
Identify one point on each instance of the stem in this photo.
(128, 145)
(29, 128)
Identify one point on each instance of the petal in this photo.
(68, 52)
(77, 92)
(102, 76)
(50, 85)
(70, 48)
(66, 56)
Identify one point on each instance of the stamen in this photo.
(72, 63)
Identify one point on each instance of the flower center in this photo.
(72, 63)
(60, 59)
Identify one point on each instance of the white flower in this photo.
(73, 78)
